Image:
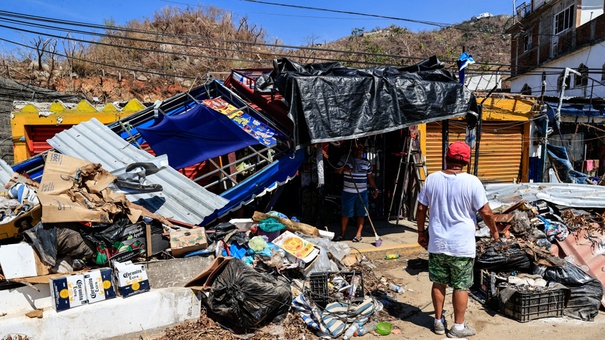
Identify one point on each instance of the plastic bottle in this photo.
(391, 256)
(367, 328)
(351, 331)
(395, 288)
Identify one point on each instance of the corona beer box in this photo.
(99, 285)
(68, 292)
(130, 278)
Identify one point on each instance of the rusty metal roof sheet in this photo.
(581, 251)
(181, 198)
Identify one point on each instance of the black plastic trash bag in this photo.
(503, 258)
(59, 240)
(245, 298)
(586, 292)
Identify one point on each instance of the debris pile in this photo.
(547, 253)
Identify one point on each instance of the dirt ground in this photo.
(412, 316)
(416, 324)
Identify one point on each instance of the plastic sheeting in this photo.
(329, 101)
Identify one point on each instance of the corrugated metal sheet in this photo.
(6, 172)
(564, 194)
(181, 199)
(499, 155)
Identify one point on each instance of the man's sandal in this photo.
(356, 239)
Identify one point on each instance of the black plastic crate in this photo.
(527, 306)
(489, 284)
(319, 292)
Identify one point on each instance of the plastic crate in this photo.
(489, 284)
(319, 293)
(525, 307)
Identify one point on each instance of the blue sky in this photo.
(293, 26)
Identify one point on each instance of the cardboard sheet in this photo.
(74, 190)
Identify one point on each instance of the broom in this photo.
(378, 239)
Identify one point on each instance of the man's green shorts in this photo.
(457, 272)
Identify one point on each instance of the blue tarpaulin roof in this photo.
(575, 109)
(195, 136)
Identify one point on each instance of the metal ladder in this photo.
(413, 163)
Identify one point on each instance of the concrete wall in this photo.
(591, 56)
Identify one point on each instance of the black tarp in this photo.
(328, 101)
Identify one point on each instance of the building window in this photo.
(527, 42)
(560, 81)
(581, 80)
(564, 20)
(526, 89)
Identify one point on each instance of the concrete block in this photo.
(175, 272)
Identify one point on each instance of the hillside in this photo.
(157, 57)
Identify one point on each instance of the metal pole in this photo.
(444, 141)
(397, 182)
(478, 141)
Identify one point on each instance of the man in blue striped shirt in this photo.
(357, 172)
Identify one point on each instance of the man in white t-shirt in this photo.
(453, 197)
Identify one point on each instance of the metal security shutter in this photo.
(500, 153)
(38, 134)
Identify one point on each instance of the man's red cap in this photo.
(460, 151)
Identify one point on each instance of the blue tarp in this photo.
(195, 136)
(574, 109)
(269, 178)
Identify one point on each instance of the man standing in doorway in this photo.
(357, 174)
(453, 197)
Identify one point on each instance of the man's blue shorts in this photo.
(352, 205)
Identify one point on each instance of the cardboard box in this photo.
(297, 247)
(99, 285)
(68, 292)
(91, 201)
(187, 240)
(130, 278)
(21, 223)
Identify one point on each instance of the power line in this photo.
(272, 52)
(131, 30)
(424, 22)
(100, 63)
(198, 37)
(275, 53)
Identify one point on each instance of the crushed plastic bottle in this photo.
(367, 328)
(396, 288)
(351, 331)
